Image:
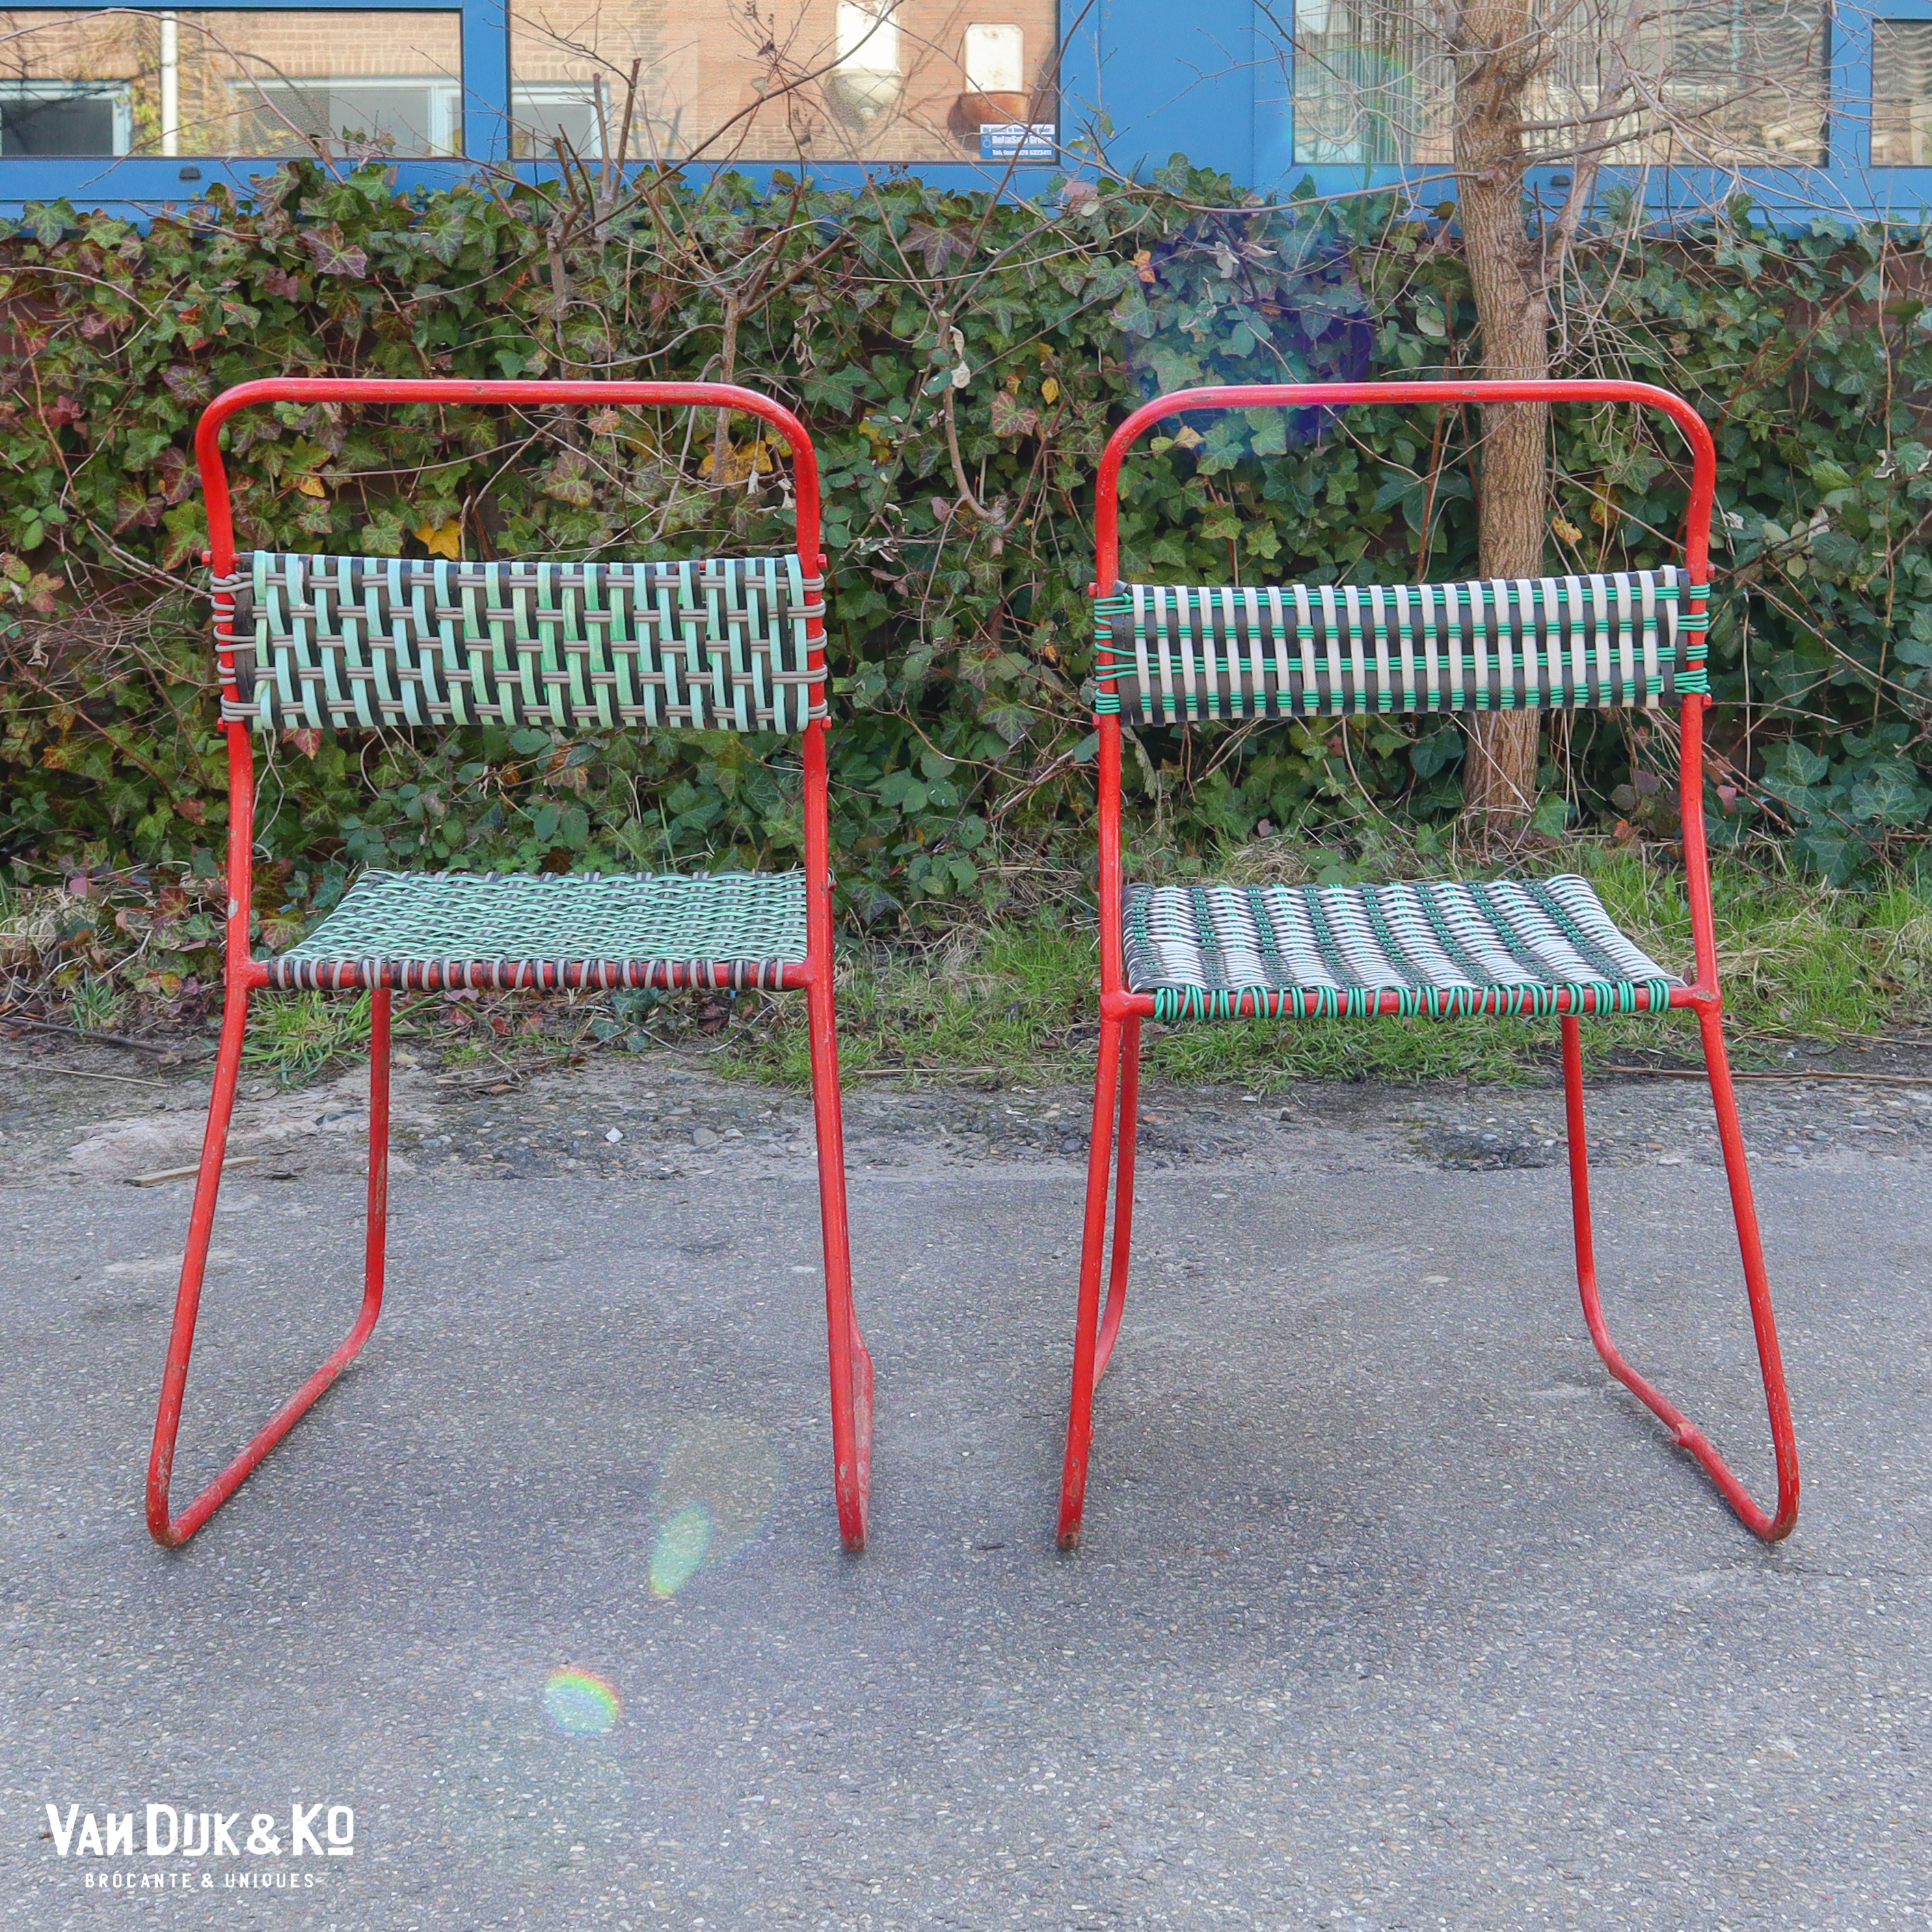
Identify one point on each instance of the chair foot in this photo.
(1116, 1090)
(851, 1360)
(855, 1480)
(1126, 1136)
(170, 1531)
(1774, 1525)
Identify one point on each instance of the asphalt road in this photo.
(1392, 1611)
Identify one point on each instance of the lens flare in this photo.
(683, 1542)
(716, 1485)
(580, 1704)
(1320, 328)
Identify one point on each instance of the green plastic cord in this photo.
(1107, 664)
(1695, 625)
(1173, 1004)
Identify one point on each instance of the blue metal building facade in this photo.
(1149, 78)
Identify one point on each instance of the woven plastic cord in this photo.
(1180, 654)
(719, 644)
(1696, 626)
(1440, 948)
(428, 930)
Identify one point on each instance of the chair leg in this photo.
(169, 1531)
(1126, 1134)
(851, 1360)
(1772, 1527)
(1080, 1410)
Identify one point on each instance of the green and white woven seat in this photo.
(1182, 654)
(428, 931)
(717, 643)
(1220, 951)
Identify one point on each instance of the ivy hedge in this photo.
(959, 362)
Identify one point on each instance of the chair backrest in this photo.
(723, 643)
(1184, 655)
(720, 644)
(1180, 654)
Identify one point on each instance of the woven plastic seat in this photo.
(429, 930)
(1439, 948)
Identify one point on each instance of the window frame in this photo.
(116, 92)
(1844, 185)
(144, 183)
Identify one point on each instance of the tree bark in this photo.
(1499, 50)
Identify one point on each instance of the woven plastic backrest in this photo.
(1183, 655)
(717, 644)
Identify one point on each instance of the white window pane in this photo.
(995, 58)
(1902, 94)
(867, 80)
(868, 40)
(120, 81)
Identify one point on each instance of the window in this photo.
(65, 117)
(1741, 82)
(1901, 127)
(339, 113)
(1721, 83)
(118, 82)
(808, 80)
(1371, 84)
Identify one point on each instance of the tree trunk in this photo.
(1499, 50)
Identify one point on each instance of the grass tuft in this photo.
(292, 1037)
(1797, 960)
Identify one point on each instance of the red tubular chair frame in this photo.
(851, 1364)
(1117, 1086)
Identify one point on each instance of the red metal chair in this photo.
(1174, 655)
(733, 643)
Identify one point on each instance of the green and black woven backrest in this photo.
(1181, 654)
(717, 644)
